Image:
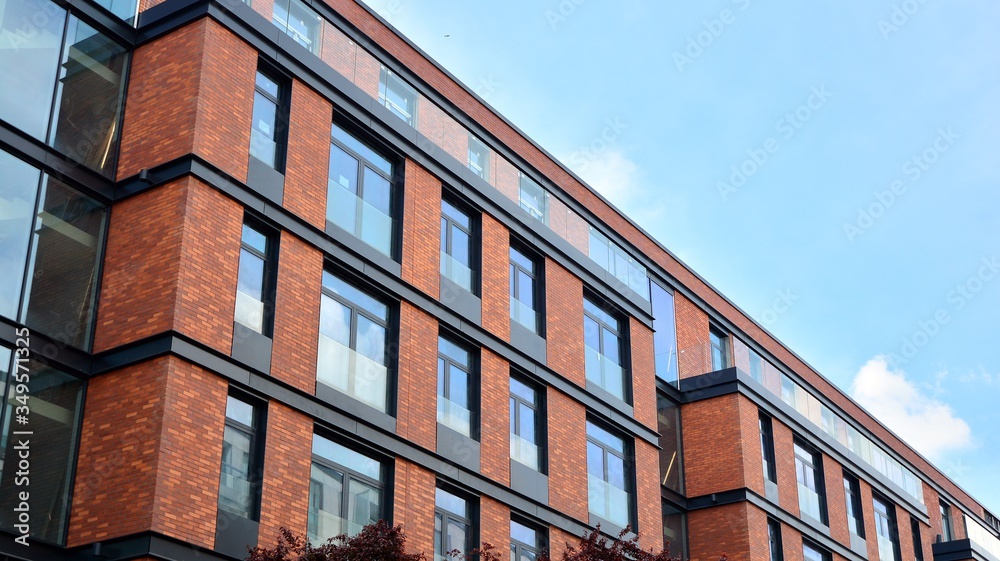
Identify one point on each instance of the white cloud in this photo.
(619, 179)
(927, 424)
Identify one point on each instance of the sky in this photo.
(833, 168)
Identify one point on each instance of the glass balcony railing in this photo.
(602, 371)
(524, 315)
(524, 451)
(456, 272)
(351, 373)
(249, 311)
(235, 494)
(354, 214)
(262, 147)
(454, 416)
(607, 501)
(324, 525)
(981, 536)
(817, 412)
(809, 502)
(886, 551)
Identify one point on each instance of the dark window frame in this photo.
(388, 82)
(621, 333)
(391, 325)
(270, 275)
(519, 547)
(282, 103)
(776, 553)
(766, 427)
(541, 212)
(855, 512)
(256, 436)
(718, 342)
(822, 551)
(889, 509)
(537, 289)
(628, 461)
(947, 529)
(383, 484)
(478, 147)
(395, 177)
(473, 385)
(448, 517)
(814, 462)
(539, 408)
(918, 546)
(473, 231)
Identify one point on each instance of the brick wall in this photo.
(494, 524)
(172, 259)
(713, 448)
(287, 466)
(784, 464)
(692, 338)
(564, 323)
(307, 167)
(723, 529)
(567, 428)
(416, 419)
(836, 501)
(296, 314)
(496, 277)
(647, 486)
(413, 505)
(495, 417)
(421, 264)
(150, 454)
(643, 373)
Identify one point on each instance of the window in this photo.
(613, 259)
(602, 335)
(55, 400)
(946, 531)
(452, 524)
(345, 490)
(455, 392)
(267, 141)
(255, 282)
(360, 195)
(525, 291)
(719, 343)
(534, 199)
(397, 96)
(885, 530)
(664, 333)
(353, 331)
(812, 552)
(51, 244)
(809, 472)
(668, 420)
(525, 424)
(457, 253)
(852, 493)
(63, 82)
(239, 487)
(479, 158)
(918, 546)
(299, 22)
(774, 540)
(675, 530)
(609, 485)
(526, 543)
(767, 447)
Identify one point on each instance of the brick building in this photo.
(267, 265)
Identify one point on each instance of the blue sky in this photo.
(832, 168)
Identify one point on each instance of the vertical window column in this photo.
(946, 530)
(885, 529)
(526, 543)
(525, 291)
(604, 345)
(767, 447)
(774, 540)
(719, 347)
(664, 333)
(454, 408)
(852, 494)
(525, 425)
(255, 283)
(918, 546)
(457, 248)
(239, 485)
(345, 491)
(809, 472)
(609, 489)
(452, 524)
(267, 136)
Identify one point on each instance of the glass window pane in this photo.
(451, 503)
(458, 388)
(266, 84)
(254, 239)
(591, 333)
(456, 353)
(522, 390)
(355, 296)
(17, 207)
(343, 169)
(377, 191)
(240, 411)
(616, 471)
(90, 98)
(527, 420)
(664, 333)
(611, 346)
(363, 504)
(460, 247)
(335, 321)
(526, 289)
(362, 150)
(250, 280)
(69, 232)
(595, 460)
(456, 215)
(522, 260)
(341, 455)
(31, 35)
(371, 339)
